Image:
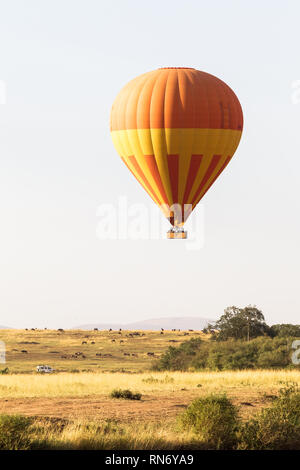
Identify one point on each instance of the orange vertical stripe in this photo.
(173, 165)
(212, 166)
(142, 176)
(152, 165)
(193, 170)
(217, 175)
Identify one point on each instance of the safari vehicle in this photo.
(45, 369)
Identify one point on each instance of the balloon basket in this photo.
(176, 234)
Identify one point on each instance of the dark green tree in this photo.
(285, 329)
(241, 323)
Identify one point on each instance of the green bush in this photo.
(178, 358)
(259, 353)
(276, 427)
(14, 432)
(126, 394)
(214, 419)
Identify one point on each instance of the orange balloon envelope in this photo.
(176, 129)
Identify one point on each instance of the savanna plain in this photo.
(77, 406)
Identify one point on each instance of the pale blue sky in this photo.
(64, 62)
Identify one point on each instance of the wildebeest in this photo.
(113, 340)
(92, 342)
(150, 353)
(84, 342)
(24, 351)
(121, 341)
(126, 354)
(95, 329)
(60, 329)
(98, 354)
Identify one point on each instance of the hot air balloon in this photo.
(176, 129)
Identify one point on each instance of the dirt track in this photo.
(150, 408)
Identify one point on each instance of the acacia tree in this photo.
(241, 323)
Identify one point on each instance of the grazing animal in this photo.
(113, 340)
(150, 353)
(95, 329)
(84, 342)
(93, 342)
(98, 354)
(60, 329)
(24, 351)
(121, 341)
(126, 354)
(191, 330)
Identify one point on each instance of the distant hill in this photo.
(182, 323)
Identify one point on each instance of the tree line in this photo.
(240, 339)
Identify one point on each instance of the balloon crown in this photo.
(189, 68)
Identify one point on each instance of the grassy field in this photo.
(72, 408)
(101, 350)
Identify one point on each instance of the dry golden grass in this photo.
(97, 384)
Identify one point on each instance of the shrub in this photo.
(276, 427)
(214, 419)
(4, 371)
(14, 432)
(262, 352)
(127, 394)
(178, 358)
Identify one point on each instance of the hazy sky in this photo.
(63, 62)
